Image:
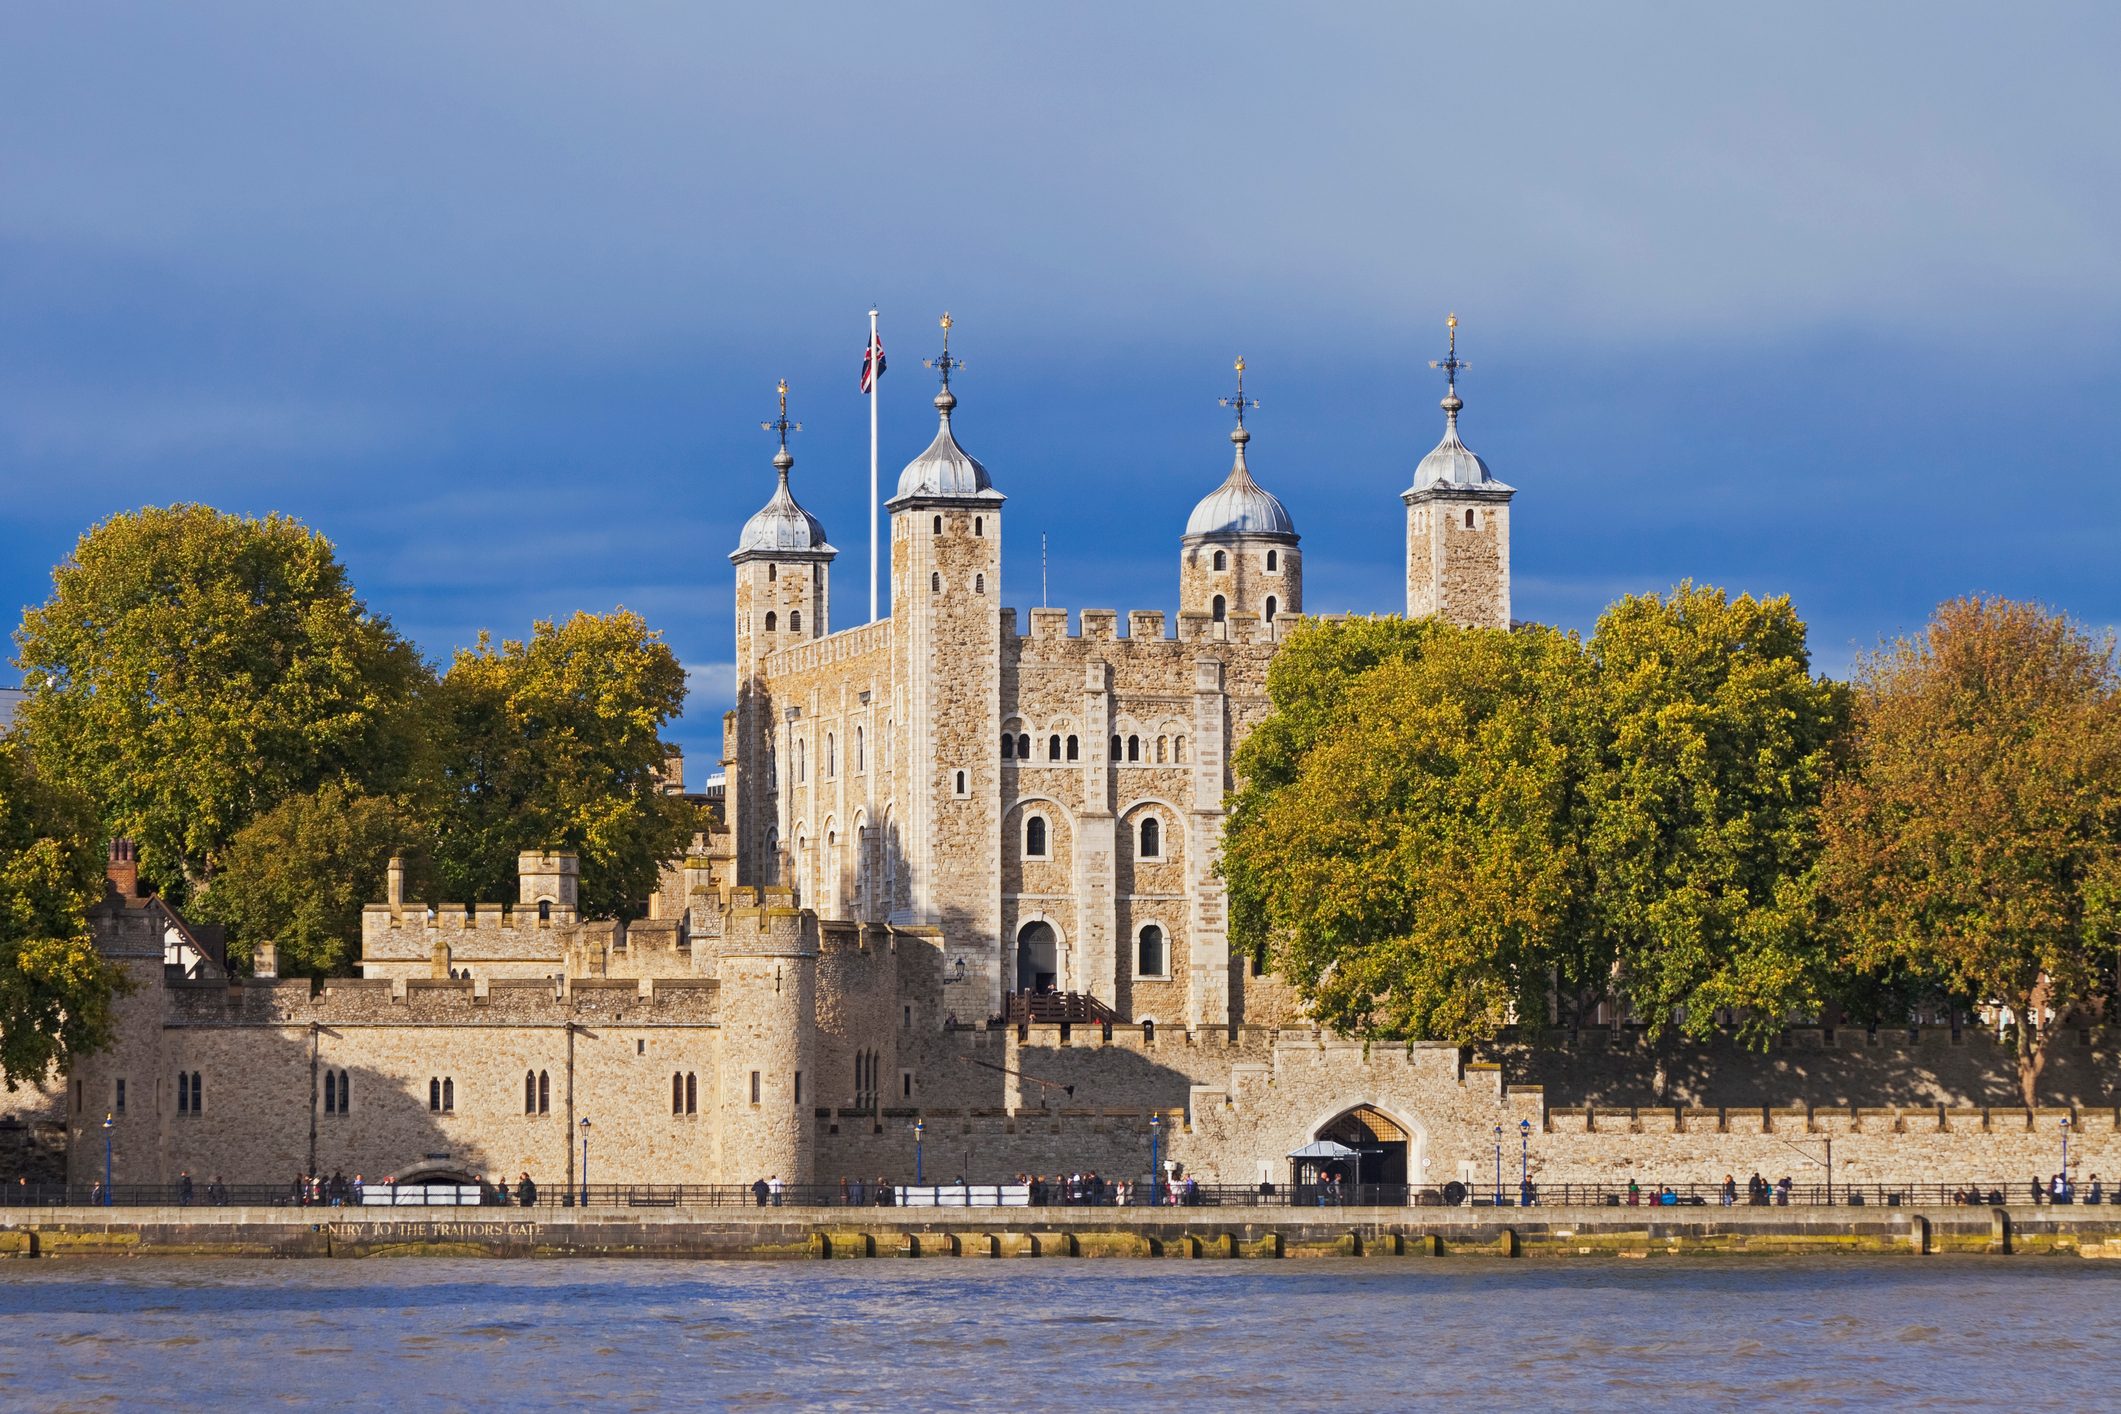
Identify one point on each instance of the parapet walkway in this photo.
(1107, 1232)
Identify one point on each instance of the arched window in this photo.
(1035, 837)
(544, 1092)
(1023, 746)
(773, 621)
(1073, 751)
(795, 620)
(1273, 561)
(1134, 748)
(449, 1093)
(198, 1105)
(1222, 561)
(1115, 748)
(961, 783)
(1152, 838)
(979, 525)
(938, 525)
(692, 1092)
(183, 1093)
(434, 1094)
(544, 910)
(1270, 608)
(861, 752)
(773, 856)
(1163, 750)
(530, 1092)
(1216, 606)
(935, 584)
(1178, 749)
(1149, 956)
(832, 755)
(1008, 746)
(677, 1092)
(1053, 747)
(979, 584)
(801, 762)
(773, 572)
(1469, 520)
(345, 1092)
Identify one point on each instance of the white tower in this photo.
(1458, 525)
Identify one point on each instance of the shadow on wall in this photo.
(1807, 1066)
(275, 1101)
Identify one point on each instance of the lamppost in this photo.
(2065, 1153)
(585, 1162)
(919, 1126)
(106, 1158)
(1498, 1167)
(1156, 1172)
(1524, 1155)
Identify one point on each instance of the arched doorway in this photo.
(1037, 958)
(1384, 1146)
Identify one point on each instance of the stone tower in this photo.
(1239, 559)
(946, 564)
(1458, 526)
(766, 1092)
(783, 596)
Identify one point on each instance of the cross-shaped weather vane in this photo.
(1450, 363)
(1240, 401)
(781, 424)
(943, 362)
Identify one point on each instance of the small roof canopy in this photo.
(1325, 1149)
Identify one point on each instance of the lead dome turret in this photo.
(781, 526)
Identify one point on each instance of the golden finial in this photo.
(1240, 401)
(781, 424)
(944, 362)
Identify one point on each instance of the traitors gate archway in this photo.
(1385, 1146)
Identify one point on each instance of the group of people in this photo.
(216, 1190)
(772, 1190)
(2061, 1188)
(313, 1190)
(1759, 1192)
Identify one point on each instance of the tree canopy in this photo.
(1439, 829)
(556, 742)
(55, 988)
(1976, 836)
(192, 669)
(300, 874)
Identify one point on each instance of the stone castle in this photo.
(964, 876)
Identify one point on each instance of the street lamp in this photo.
(919, 1127)
(1156, 1173)
(106, 1158)
(1498, 1167)
(2065, 1153)
(585, 1162)
(1524, 1155)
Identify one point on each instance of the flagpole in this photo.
(875, 383)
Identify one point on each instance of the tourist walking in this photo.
(1730, 1191)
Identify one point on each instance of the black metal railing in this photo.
(1058, 1193)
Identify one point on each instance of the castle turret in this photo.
(767, 1088)
(1458, 525)
(1239, 555)
(783, 596)
(946, 580)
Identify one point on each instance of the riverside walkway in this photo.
(1181, 1233)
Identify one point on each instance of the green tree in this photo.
(55, 988)
(557, 742)
(1710, 741)
(1976, 836)
(299, 874)
(192, 669)
(1415, 869)
(1316, 666)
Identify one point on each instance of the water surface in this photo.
(2032, 1333)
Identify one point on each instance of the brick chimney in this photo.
(123, 868)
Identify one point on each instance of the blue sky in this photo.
(1822, 300)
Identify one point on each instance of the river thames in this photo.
(947, 1334)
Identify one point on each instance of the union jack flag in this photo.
(872, 364)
